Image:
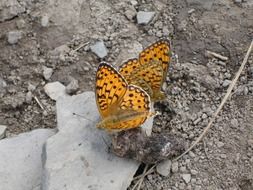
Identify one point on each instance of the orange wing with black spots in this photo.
(150, 70)
(121, 106)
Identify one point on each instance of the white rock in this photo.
(47, 72)
(164, 167)
(186, 177)
(144, 17)
(44, 21)
(20, 160)
(77, 157)
(99, 49)
(14, 36)
(2, 131)
(55, 90)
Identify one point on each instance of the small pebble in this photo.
(220, 144)
(164, 167)
(31, 87)
(47, 72)
(144, 17)
(14, 36)
(234, 123)
(99, 49)
(174, 167)
(226, 83)
(194, 172)
(2, 131)
(72, 87)
(44, 21)
(186, 177)
(28, 97)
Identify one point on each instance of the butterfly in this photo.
(121, 106)
(150, 70)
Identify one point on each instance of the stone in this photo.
(144, 17)
(163, 168)
(234, 123)
(226, 83)
(55, 90)
(10, 9)
(174, 167)
(20, 160)
(130, 13)
(47, 72)
(77, 157)
(186, 178)
(72, 87)
(3, 86)
(2, 131)
(220, 144)
(44, 21)
(99, 49)
(14, 36)
(28, 97)
(194, 172)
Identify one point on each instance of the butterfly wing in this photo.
(159, 51)
(110, 89)
(148, 76)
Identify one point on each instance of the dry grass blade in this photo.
(229, 90)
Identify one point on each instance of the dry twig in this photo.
(216, 55)
(229, 90)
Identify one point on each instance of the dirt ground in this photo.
(57, 34)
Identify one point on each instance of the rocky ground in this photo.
(47, 41)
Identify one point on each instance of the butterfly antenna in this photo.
(83, 117)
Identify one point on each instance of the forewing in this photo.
(159, 51)
(110, 89)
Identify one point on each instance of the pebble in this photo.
(31, 87)
(226, 83)
(3, 86)
(234, 123)
(183, 169)
(130, 14)
(174, 167)
(55, 90)
(2, 131)
(14, 36)
(72, 87)
(194, 172)
(134, 3)
(197, 121)
(144, 17)
(28, 97)
(44, 21)
(220, 144)
(99, 49)
(47, 72)
(164, 167)
(186, 177)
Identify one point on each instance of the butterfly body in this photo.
(121, 106)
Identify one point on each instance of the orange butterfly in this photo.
(150, 70)
(121, 106)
